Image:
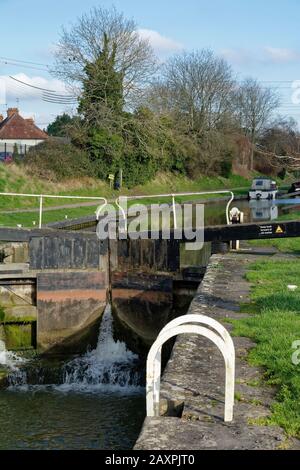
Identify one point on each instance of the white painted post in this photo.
(123, 214)
(227, 207)
(154, 366)
(99, 209)
(41, 212)
(241, 222)
(174, 211)
(236, 217)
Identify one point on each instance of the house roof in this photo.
(15, 127)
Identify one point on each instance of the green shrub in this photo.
(139, 167)
(56, 160)
(105, 151)
(226, 168)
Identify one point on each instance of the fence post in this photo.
(174, 211)
(236, 217)
(41, 211)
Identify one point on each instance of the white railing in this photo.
(188, 324)
(41, 198)
(173, 196)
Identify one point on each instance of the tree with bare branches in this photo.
(280, 145)
(83, 44)
(254, 109)
(196, 86)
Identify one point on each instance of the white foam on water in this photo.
(9, 359)
(109, 367)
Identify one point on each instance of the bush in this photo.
(105, 151)
(226, 167)
(56, 161)
(134, 150)
(282, 174)
(213, 155)
(139, 167)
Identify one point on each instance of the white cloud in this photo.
(30, 100)
(236, 56)
(264, 55)
(276, 54)
(41, 119)
(14, 90)
(161, 44)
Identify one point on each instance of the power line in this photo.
(24, 66)
(24, 61)
(276, 81)
(59, 102)
(49, 96)
(33, 86)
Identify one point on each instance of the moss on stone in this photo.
(2, 313)
(21, 320)
(3, 378)
(18, 336)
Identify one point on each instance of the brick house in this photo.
(17, 130)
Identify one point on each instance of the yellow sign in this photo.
(279, 230)
(111, 177)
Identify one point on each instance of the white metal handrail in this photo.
(204, 320)
(173, 196)
(185, 325)
(41, 198)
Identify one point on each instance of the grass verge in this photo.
(285, 245)
(274, 326)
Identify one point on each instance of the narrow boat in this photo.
(263, 188)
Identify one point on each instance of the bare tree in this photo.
(83, 43)
(197, 87)
(255, 106)
(280, 144)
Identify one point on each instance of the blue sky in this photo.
(258, 38)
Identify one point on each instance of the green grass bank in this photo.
(274, 325)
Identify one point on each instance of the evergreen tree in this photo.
(103, 86)
(58, 127)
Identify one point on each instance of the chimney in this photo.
(12, 111)
(29, 120)
(1, 118)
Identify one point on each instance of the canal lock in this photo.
(139, 311)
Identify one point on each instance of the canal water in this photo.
(254, 211)
(95, 401)
(214, 214)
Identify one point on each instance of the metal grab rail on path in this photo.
(173, 196)
(41, 198)
(188, 324)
